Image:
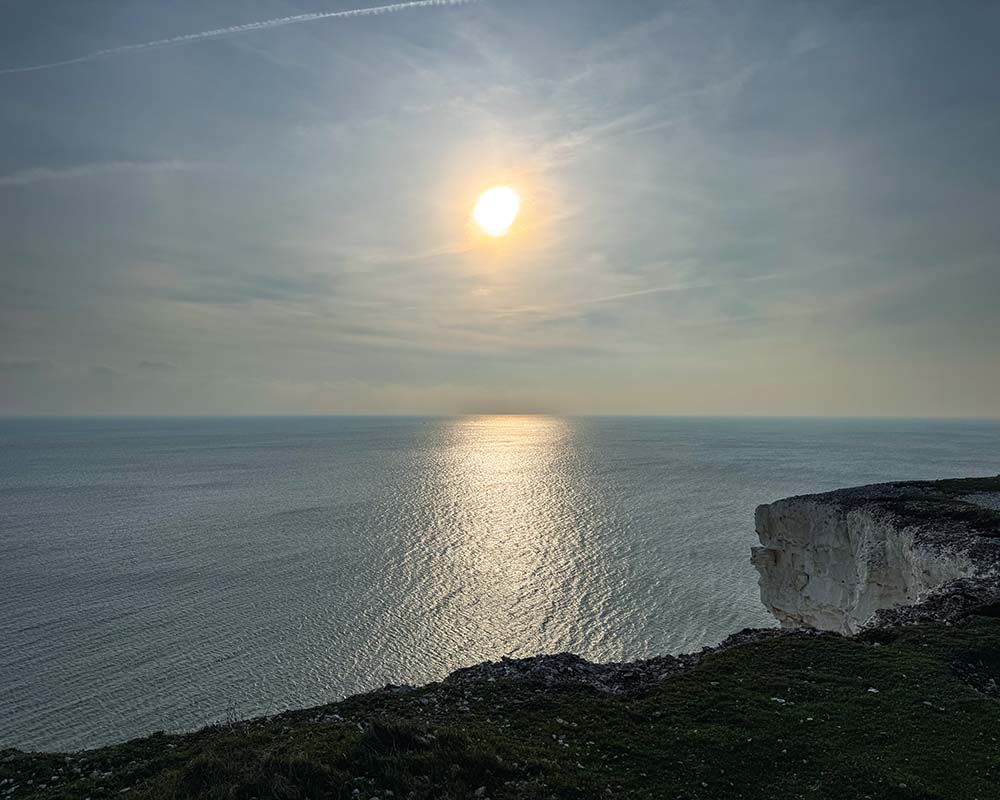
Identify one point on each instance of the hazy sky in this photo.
(730, 207)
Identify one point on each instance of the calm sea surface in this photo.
(163, 574)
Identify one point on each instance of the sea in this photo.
(165, 574)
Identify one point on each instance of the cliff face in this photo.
(881, 554)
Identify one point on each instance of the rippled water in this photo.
(161, 574)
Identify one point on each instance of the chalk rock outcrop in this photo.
(882, 554)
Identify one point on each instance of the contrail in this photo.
(234, 30)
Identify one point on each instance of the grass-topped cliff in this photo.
(902, 713)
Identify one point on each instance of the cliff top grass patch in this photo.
(879, 716)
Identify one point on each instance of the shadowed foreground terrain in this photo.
(909, 712)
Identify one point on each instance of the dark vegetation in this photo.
(940, 505)
(902, 713)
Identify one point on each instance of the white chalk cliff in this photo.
(881, 554)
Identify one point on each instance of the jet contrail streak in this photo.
(236, 29)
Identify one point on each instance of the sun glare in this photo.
(496, 210)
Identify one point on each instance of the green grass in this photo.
(713, 732)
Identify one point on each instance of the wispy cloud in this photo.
(24, 364)
(567, 308)
(27, 177)
(234, 30)
(156, 366)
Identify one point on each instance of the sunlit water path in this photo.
(161, 574)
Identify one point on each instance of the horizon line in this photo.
(453, 415)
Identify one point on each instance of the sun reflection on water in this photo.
(509, 478)
(503, 566)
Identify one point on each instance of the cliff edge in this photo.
(924, 551)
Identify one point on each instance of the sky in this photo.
(737, 208)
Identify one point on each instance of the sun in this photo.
(496, 209)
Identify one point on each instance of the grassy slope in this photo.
(714, 732)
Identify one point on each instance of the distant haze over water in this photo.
(162, 573)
